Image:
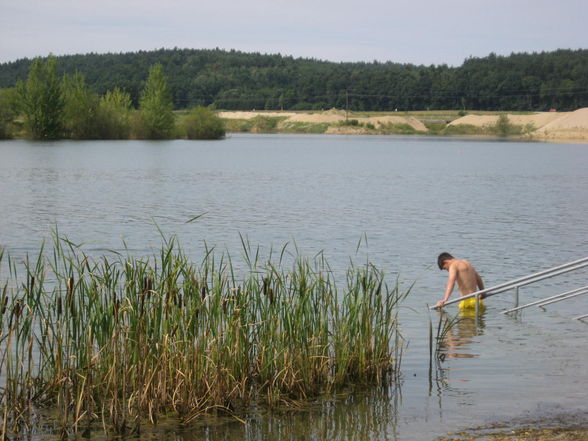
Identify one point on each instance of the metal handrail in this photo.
(522, 281)
(552, 299)
(541, 305)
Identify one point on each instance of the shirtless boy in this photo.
(468, 279)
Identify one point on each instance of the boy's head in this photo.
(442, 258)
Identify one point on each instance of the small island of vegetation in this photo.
(45, 107)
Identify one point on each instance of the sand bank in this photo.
(537, 120)
(542, 126)
(331, 117)
(545, 126)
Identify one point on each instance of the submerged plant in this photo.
(121, 339)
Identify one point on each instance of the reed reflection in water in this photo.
(354, 416)
(455, 337)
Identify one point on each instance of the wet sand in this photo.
(564, 427)
(559, 434)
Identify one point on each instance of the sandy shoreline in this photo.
(563, 426)
(540, 126)
(330, 117)
(575, 433)
(570, 427)
(543, 126)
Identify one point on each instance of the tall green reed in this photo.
(119, 340)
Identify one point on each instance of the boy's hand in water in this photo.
(440, 304)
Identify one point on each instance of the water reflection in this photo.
(457, 342)
(367, 415)
(455, 339)
(358, 416)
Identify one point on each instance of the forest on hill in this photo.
(236, 80)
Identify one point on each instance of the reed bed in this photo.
(122, 341)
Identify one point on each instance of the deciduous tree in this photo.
(157, 106)
(8, 111)
(80, 108)
(41, 100)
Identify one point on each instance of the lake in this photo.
(511, 208)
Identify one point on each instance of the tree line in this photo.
(235, 80)
(53, 106)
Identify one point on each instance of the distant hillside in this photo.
(239, 81)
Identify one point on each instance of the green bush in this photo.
(265, 124)
(503, 127)
(114, 115)
(203, 123)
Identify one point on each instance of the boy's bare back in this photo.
(460, 271)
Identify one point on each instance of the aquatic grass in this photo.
(121, 340)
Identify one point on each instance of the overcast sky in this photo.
(411, 31)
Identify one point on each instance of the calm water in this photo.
(511, 208)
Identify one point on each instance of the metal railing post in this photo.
(562, 296)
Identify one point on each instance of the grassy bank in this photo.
(122, 341)
(435, 123)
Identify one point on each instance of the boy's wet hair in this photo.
(442, 258)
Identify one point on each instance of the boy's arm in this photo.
(480, 284)
(450, 284)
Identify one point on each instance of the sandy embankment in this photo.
(332, 117)
(546, 126)
(572, 126)
(537, 119)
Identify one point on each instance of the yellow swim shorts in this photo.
(471, 304)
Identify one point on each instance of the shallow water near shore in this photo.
(511, 208)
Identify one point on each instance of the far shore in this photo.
(539, 126)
